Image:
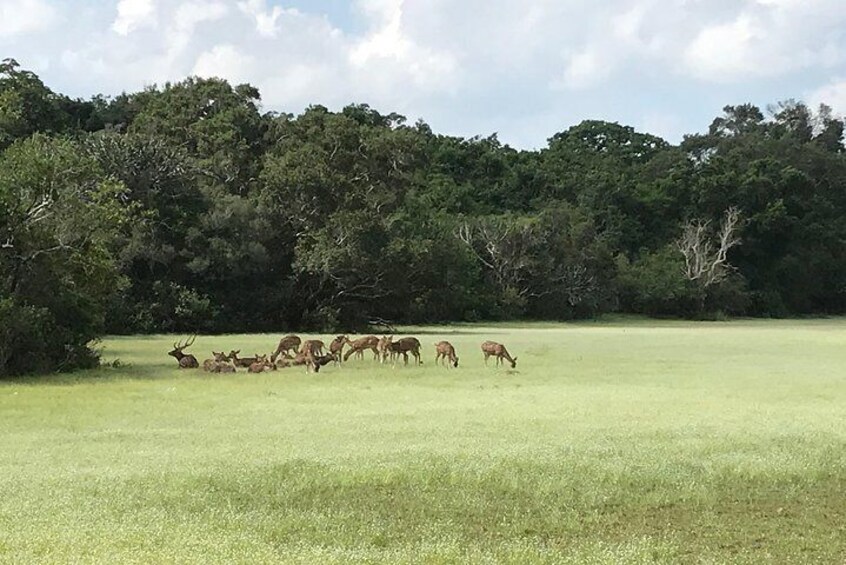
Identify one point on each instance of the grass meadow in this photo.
(623, 441)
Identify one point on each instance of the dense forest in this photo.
(186, 208)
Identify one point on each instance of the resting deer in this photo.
(498, 350)
(405, 346)
(445, 351)
(260, 365)
(186, 360)
(289, 343)
(336, 348)
(223, 368)
(242, 362)
(358, 346)
(210, 364)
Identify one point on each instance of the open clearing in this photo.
(617, 442)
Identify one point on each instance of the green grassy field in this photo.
(615, 442)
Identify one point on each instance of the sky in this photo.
(524, 70)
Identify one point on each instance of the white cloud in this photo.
(134, 14)
(388, 54)
(584, 70)
(266, 19)
(25, 16)
(769, 38)
(523, 68)
(225, 61)
(833, 94)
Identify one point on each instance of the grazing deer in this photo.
(383, 349)
(336, 348)
(445, 351)
(260, 365)
(358, 346)
(289, 343)
(317, 362)
(209, 364)
(312, 346)
(186, 361)
(242, 362)
(498, 350)
(405, 346)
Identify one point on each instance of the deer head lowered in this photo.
(499, 351)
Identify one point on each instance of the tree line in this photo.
(186, 208)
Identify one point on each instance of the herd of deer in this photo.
(293, 351)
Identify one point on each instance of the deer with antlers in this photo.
(358, 346)
(444, 351)
(289, 343)
(499, 351)
(186, 360)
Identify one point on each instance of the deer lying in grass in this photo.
(311, 362)
(219, 364)
(405, 346)
(498, 350)
(445, 351)
(186, 360)
(289, 343)
(261, 365)
(242, 362)
(288, 361)
(358, 346)
(223, 368)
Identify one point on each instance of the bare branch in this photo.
(704, 264)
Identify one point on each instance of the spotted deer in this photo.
(242, 361)
(260, 365)
(497, 350)
(444, 351)
(209, 365)
(405, 346)
(358, 346)
(336, 347)
(289, 343)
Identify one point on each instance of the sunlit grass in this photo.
(614, 442)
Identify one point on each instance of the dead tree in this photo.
(505, 249)
(706, 254)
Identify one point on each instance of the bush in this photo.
(33, 341)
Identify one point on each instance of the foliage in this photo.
(59, 215)
(238, 220)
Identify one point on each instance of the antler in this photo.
(194, 337)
